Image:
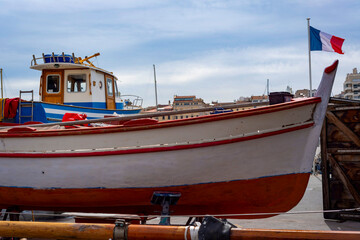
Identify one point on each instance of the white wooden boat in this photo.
(251, 161)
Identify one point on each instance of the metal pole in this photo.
(156, 98)
(2, 89)
(310, 92)
(267, 86)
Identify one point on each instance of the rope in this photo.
(206, 215)
(193, 231)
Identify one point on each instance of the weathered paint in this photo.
(262, 195)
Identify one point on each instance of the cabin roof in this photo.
(68, 66)
(65, 61)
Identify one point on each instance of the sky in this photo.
(218, 50)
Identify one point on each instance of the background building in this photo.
(352, 85)
(186, 103)
(304, 93)
(257, 99)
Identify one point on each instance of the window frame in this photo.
(47, 83)
(67, 82)
(109, 83)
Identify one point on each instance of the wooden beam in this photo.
(339, 124)
(136, 232)
(87, 58)
(56, 230)
(90, 63)
(325, 169)
(343, 177)
(345, 102)
(346, 108)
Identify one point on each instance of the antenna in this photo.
(156, 99)
(2, 88)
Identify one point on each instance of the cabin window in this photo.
(110, 91)
(53, 83)
(117, 93)
(76, 83)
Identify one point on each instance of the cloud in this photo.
(228, 74)
(216, 49)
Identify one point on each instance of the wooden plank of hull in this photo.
(262, 195)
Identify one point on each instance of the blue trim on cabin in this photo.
(101, 105)
(119, 105)
(57, 111)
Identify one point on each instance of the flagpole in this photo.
(308, 22)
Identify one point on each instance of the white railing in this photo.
(131, 101)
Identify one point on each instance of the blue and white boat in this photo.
(70, 84)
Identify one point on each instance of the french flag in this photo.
(320, 41)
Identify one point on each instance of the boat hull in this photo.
(229, 177)
(236, 198)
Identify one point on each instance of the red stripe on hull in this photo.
(262, 195)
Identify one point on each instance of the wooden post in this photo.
(325, 171)
(53, 57)
(34, 60)
(344, 179)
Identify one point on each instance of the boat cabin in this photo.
(71, 80)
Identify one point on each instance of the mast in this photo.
(2, 91)
(156, 98)
(267, 87)
(308, 25)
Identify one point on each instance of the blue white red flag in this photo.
(320, 41)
